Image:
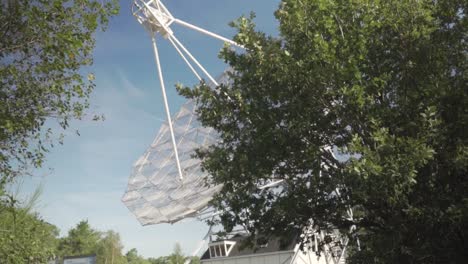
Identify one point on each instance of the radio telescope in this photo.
(167, 183)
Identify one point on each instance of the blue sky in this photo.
(89, 172)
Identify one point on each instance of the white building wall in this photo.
(80, 260)
(282, 257)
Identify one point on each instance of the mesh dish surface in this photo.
(155, 194)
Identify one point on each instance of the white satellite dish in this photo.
(155, 192)
(167, 183)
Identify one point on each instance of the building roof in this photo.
(274, 244)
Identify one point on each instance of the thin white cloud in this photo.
(128, 85)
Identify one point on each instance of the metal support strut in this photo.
(166, 106)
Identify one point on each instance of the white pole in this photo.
(211, 34)
(185, 59)
(166, 105)
(271, 184)
(194, 60)
(165, 9)
(172, 39)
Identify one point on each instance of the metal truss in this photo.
(157, 19)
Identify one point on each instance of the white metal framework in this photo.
(167, 183)
(155, 192)
(220, 248)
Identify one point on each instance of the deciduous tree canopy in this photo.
(133, 257)
(81, 240)
(24, 236)
(384, 84)
(110, 249)
(43, 49)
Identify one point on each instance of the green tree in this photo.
(24, 236)
(109, 250)
(160, 260)
(177, 256)
(81, 240)
(44, 48)
(194, 260)
(384, 83)
(133, 257)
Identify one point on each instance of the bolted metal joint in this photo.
(154, 16)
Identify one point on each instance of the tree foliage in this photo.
(81, 240)
(24, 236)
(159, 260)
(85, 240)
(176, 257)
(43, 49)
(109, 249)
(381, 83)
(133, 257)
